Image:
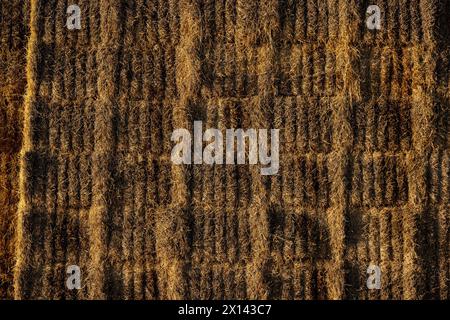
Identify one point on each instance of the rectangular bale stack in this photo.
(364, 172)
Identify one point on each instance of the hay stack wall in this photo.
(364, 163)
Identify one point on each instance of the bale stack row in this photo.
(14, 27)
